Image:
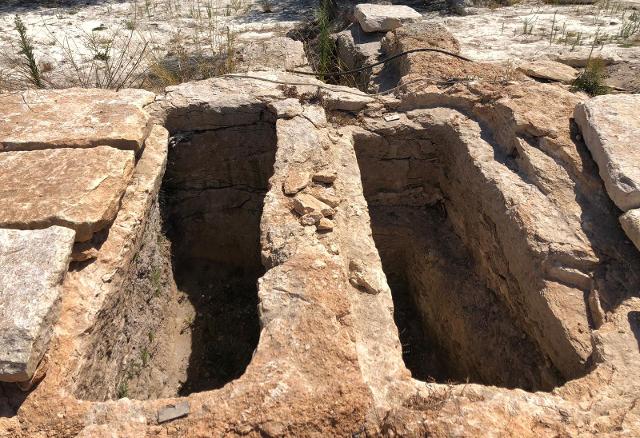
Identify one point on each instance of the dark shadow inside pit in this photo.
(211, 204)
(452, 326)
(11, 398)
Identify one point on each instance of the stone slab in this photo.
(77, 188)
(549, 70)
(630, 222)
(33, 263)
(43, 119)
(610, 126)
(383, 18)
(173, 412)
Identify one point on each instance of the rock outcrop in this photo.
(293, 258)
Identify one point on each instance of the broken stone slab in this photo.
(305, 204)
(295, 182)
(33, 263)
(630, 222)
(77, 188)
(173, 412)
(325, 224)
(610, 126)
(383, 18)
(77, 118)
(580, 59)
(549, 70)
(326, 176)
(323, 195)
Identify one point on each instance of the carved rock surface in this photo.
(610, 126)
(383, 18)
(33, 265)
(77, 188)
(74, 117)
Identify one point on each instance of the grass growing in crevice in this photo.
(591, 80)
(326, 46)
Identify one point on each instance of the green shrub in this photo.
(591, 80)
(26, 50)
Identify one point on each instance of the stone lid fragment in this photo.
(610, 126)
(77, 188)
(549, 70)
(33, 263)
(75, 117)
(383, 18)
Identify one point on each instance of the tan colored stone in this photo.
(326, 176)
(383, 18)
(549, 70)
(323, 195)
(630, 222)
(610, 126)
(325, 224)
(33, 263)
(77, 188)
(304, 203)
(311, 218)
(77, 118)
(295, 182)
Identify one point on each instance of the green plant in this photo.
(123, 389)
(145, 356)
(326, 44)
(30, 65)
(591, 80)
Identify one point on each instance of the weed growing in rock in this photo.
(326, 47)
(123, 389)
(29, 65)
(591, 80)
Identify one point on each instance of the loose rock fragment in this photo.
(550, 70)
(173, 412)
(383, 18)
(311, 218)
(326, 176)
(325, 225)
(295, 182)
(326, 197)
(305, 204)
